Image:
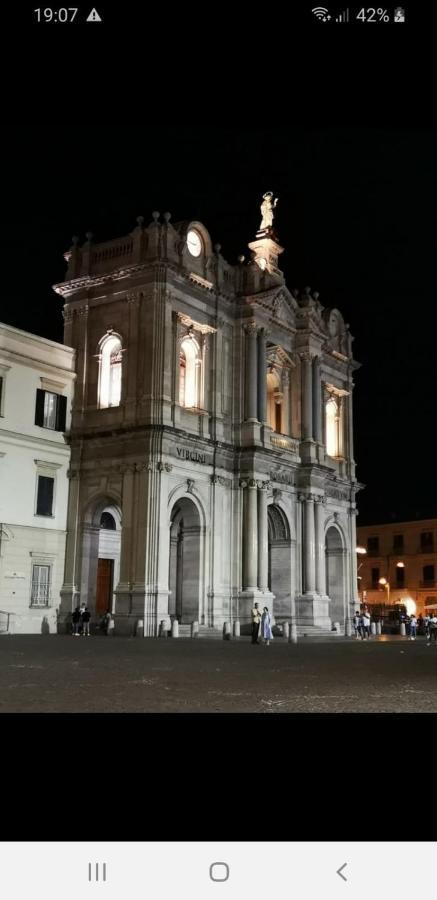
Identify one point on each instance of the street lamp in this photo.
(361, 551)
(385, 584)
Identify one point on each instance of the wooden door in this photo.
(104, 586)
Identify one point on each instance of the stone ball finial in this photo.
(167, 216)
(217, 248)
(75, 240)
(140, 220)
(89, 235)
(155, 216)
(316, 295)
(241, 258)
(307, 290)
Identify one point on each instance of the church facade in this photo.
(211, 436)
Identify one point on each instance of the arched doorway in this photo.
(100, 570)
(184, 566)
(279, 570)
(335, 574)
(108, 562)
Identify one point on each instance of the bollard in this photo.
(348, 628)
(175, 628)
(378, 628)
(286, 631)
(236, 629)
(226, 631)
(194, 629)
(111, 627)
(373, 628)
(140, 628)
(293, 634)
(402, 629)
(163, 628)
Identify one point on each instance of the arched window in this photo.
(332, 414)
(274, 401)
(107, 521)
(189, 373)
(110, 372)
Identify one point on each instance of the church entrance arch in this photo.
(279, 568)
(184, 567)
(101, 538)
(335, 574)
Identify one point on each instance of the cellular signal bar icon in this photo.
(343, 17)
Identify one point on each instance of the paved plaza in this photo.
(105, 674)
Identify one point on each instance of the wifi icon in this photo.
(321, 13)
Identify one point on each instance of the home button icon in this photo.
(219, 871)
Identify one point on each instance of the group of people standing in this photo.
(263, 620)
(362, 625)
(81, 621)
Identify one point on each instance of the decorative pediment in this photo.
(276, 356)
(279, 304)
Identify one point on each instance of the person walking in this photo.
(357, 624)
(75, 618)
(266, 627)
(366, 624)
(256, 621)
(413, 627)
(86, 616)
(432, 626)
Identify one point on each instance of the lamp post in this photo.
(385, 584)
(360, 551)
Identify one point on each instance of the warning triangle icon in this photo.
(94, 16)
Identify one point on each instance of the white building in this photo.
(36, 389)
(211, 435)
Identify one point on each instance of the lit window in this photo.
(189, 373)
(274, 402)
(332, 427)
(50, 410)
(40, 595)
(110, 372)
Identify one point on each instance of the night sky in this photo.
(357, 215)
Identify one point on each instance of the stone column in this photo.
(250, 536)
(263, 546)
(262, 375)
(309, 545)
(286, 402)
(251, 373)
(320, 546)
(317, 400)
(307, 398)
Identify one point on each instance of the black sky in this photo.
(356, 215)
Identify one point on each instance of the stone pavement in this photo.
(59, 673)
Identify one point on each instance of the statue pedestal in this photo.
(266, 250)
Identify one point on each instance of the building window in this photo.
(427, 541)
(375, 578)
(428, 576)
(40, 595)
(50, 410)
(398, 543)
(332, 418)
(373, 545)
(189, 373)
(44, 500)
(274, 401)
(110, 371)
(400, 577)
(107, 521)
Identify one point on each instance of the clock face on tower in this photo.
(194, 243)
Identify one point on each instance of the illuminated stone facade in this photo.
(213, 465)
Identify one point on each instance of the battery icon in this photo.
(399, 14)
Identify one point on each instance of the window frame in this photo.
(106, 368)
(46, 469)
(41, 565)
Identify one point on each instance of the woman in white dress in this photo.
(266, 627)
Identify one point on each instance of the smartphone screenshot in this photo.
(217, 386)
